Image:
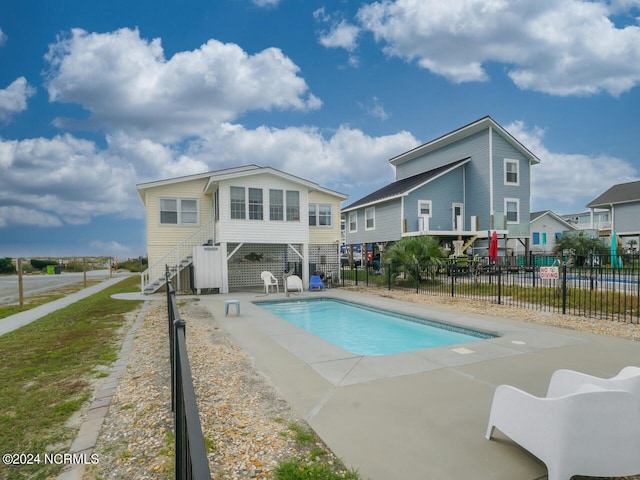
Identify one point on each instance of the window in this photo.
(512, 207)
(178, 211)
(169, 211)
(424, 208)
(353, 221)
(536, 238)
(319, 215)
(237, 203)
(216, 205)
(293, 206)
(188, 212)
(544, 238)
(255, 204)
(324, 215)
(511, 172)
(369, 218)
(276, 205)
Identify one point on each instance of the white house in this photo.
(547, 227)
(232, 224)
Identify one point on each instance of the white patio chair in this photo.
(567, 381)
(293, 283)
(591, 432)
(269, 281)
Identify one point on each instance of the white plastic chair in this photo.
(269, 281)
(293, 283)
(591, 432)
(568, 381)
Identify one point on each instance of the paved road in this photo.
(36, 284)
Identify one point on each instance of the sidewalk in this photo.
(18, 320)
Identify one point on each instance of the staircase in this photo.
(469, 242)
(154, 277)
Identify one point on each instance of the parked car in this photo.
(357, 259)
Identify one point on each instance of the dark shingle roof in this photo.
(621, 193)
(402, 186)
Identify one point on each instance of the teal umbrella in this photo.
(614, 251)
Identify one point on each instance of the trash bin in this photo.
(50, 270)
(57, 269)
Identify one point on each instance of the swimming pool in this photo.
(369, 331)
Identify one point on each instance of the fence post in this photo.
(499, 284)
(453, 288)
(389, 275)
(564, 289)
(417, 278)
(355, 267)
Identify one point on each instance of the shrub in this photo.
(42, 264)
(7, 266)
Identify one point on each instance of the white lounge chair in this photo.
(567, 381)
(293, 283)
(591, 432)
(269, 281)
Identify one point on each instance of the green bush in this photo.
(42, 264)
(6, 266)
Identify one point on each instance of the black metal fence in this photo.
(589, 286)
(190, 453)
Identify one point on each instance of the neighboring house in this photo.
(622, 205)
(546, 227)
(233, 224)
(592, 220)
(459, 187)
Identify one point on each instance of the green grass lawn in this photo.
(33, 301)
(46, 373)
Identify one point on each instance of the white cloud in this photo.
(347, 157)
(62, 180)
(3, 37)
(66, 180)
(266, 3)
(13, 99)
(566, 47)
(376, 109)
(565, 182)
(15, 215)
(125, 82)
(341, 35)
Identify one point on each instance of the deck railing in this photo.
(190, 453)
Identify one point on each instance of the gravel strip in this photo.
(247, 426)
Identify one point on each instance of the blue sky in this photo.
(98, 96)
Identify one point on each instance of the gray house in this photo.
(622, 203)
(459, 187)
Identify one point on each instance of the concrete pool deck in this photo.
(420, 414)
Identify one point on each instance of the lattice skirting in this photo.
(253, 258)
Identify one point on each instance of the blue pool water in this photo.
(367, 331)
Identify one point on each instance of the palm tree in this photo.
(579, 245)
(414, 252)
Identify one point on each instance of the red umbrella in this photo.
(493, 248)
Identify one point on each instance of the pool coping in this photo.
(341, 367)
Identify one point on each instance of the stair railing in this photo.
(177, 258)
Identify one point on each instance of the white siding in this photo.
(262, 231)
